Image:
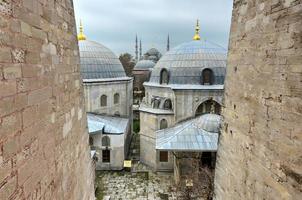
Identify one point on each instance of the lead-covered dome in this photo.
(209, 122)
(153, 52)
(185, 63)
(99, 62)
(144, 65)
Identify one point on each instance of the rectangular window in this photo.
(163, 156)
(106, 156)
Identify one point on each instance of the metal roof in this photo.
(186, 62)
(144, 65)
(97, 61)
(107, 124)
(186, 86)
(189, 136)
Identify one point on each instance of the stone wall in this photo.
(260, 152)
(44, 152)
(94, 90)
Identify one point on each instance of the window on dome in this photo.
(103, 100)
(207, 77)
(168, 104)
(164, 77)
(163, 124)
(116, 98)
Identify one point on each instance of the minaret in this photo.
(136, 49)
(81, 35)
(168, 43)
(140, 49)
(196, 36)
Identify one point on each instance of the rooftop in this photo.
(190, 136)
(107, 124)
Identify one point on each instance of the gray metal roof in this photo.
(107, 124)
(189, 136)
(97, 61)
(144, 65)
(209, 122)
(186, 62)
(185, 86)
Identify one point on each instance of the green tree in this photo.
(127, 62)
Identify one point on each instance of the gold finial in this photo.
(196, 36)
(81, 35)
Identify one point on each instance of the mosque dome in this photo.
(185, 63)
(99, 62)
(209, 122)
(144, 65)
(153, 52)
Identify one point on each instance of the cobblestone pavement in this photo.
(135, 186)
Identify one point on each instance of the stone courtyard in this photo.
(124, 185)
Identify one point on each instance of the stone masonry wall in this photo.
(260, 152)
(44, 152)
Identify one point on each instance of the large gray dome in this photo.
(185, 63)
(144, 65)
(99, 62)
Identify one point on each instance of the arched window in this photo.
(207, 77)
(105, 141)
(208, 106)
(116, 98)
(164, 76)
(156, 103)
(103, 100)
(163, 124)
(168, 104)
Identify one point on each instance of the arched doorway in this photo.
(209, 106)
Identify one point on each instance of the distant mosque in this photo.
(142, 70)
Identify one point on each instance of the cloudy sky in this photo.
(114, 23)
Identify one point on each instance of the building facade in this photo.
(188, 81)
(108, 96)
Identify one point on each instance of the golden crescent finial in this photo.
(81, 35)
(196, 36)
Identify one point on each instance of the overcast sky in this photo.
(114, 23)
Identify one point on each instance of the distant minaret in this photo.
(140, 49)
(168, 43)
(136, 49)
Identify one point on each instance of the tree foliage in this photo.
(127, 62)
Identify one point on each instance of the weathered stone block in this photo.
(12, 72)
(10, 186)
(38, 69)
(261, 133)
(26, 29)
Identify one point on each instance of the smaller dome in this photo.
(144, 65)
(209, 122)
(154, 58)
(153, 52)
